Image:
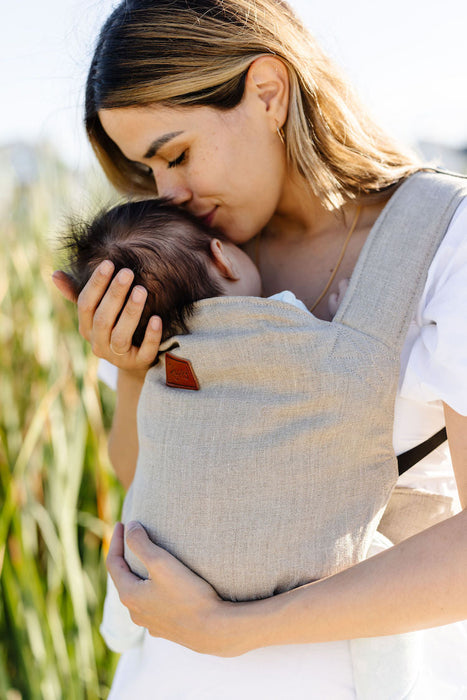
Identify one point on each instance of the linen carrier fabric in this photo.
(277, 471)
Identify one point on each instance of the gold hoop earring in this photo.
(281, 134)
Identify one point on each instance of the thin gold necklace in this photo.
(339, 259)
(337, 265)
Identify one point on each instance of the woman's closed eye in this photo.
(177, 161)
(142, 168)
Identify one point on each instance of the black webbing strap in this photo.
(411, 457)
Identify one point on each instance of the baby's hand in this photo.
(335, 299)
(108, 323)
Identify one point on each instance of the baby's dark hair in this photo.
(167, 249)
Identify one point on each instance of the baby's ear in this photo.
(65, 284)
(222, 260)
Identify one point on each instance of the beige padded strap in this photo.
(395, 259)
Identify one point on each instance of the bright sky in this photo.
(407, 59)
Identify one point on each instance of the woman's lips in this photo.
(207, 218)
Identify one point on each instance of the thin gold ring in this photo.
(120, 354)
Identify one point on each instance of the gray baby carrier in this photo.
(277, 470)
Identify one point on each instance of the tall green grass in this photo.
(57, 494)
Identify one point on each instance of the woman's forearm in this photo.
(123, 438)
(420, 583)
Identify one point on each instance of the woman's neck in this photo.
(299, 212)
(299, 248)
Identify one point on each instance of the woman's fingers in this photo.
(140, 544)
(116, 547)
(104, 316)
(122, 333)
(108, 320)
(173, 602)
(126, 582)
(117, 567)
(65, 285)
(151, 341)
(91, 296)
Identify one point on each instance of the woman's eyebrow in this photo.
(158, 143)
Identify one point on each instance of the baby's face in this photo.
(250, 280)
(236, 272)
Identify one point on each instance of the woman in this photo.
(231, 110)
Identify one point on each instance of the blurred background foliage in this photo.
(58, 496)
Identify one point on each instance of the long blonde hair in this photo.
(189, 52)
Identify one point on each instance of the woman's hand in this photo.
(101, 323)
(416, 584)
(173, 603)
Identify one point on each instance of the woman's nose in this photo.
(174, 189)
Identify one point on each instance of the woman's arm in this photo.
(108, 323)
(123, 437)
(417, 584)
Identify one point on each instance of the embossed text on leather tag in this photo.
(179, 373)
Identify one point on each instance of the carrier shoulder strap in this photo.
(394, 261)
(417, 453)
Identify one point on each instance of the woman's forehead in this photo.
(163, 117)
(151, 127)
(144, 129)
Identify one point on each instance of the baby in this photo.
(172, 254)
(179, 261)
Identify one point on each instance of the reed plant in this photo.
(58, 496)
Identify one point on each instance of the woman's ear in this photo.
(221, 259)
(268, 78)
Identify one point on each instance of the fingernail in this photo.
(138, 294)
(155, 323)
(124, 276)
(132, 525)
(106, 267)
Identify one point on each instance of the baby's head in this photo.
(171, 253)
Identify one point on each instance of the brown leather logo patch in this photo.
(179, 373)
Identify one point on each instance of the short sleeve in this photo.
(108, 374)
(435, 355)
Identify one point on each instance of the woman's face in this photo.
(226, 167)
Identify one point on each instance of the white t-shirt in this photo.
(433, 370)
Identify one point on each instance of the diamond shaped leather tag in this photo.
(179, 373)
